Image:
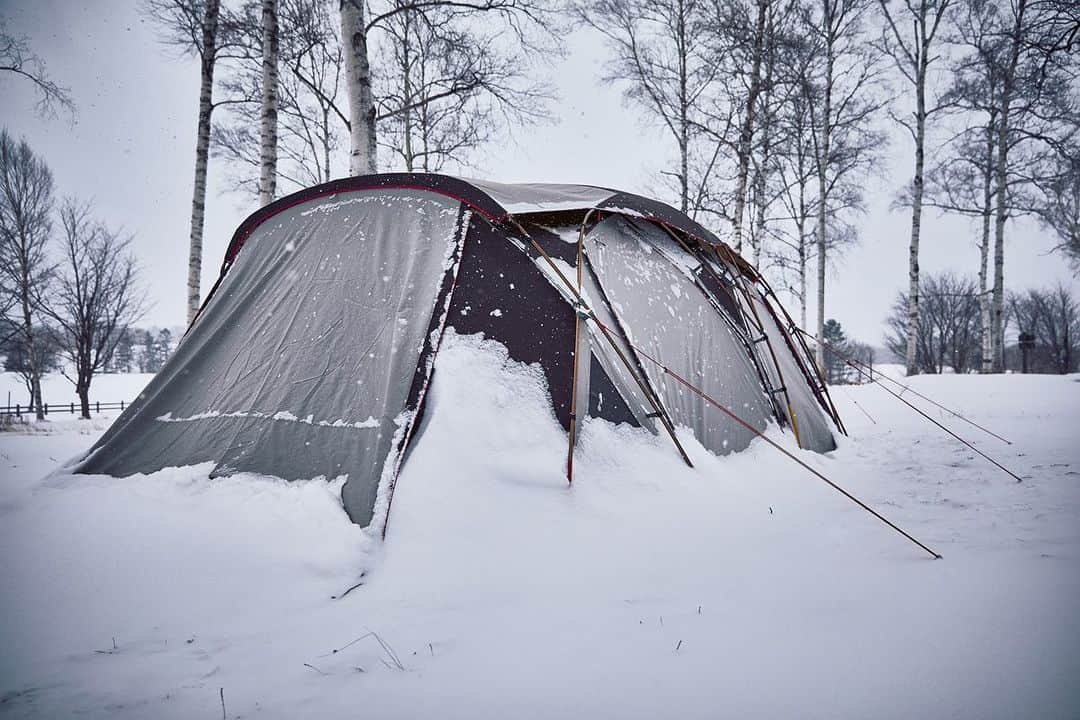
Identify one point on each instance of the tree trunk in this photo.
(802, 272)
(202, 151)
(916, 213)
(31, 345)
(358, 88)
(83, 391)
(406, 77)
(1001, 177)
(268, 131)
(684, 117)
(986, 365)
(822, 164)
(746, 131)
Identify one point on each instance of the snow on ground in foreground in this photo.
(743, 587)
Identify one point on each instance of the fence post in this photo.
(97, 406)
(121, 404)
(46, 411)
(72, 408)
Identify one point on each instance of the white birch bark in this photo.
(987, 364)
(202, 152)
(362, 158)
(268, 132)
(746, 131)
(997, 308)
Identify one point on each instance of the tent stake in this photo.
(906, 388)
(777, 445)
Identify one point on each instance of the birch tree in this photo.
(268, 132)
(447, 85)
(845, 143)
(913, 52)
(194, 27)
(795, 167)
(361, 101)
(311, 117)
(26, 202)
(662, 53)
(1036, 109)
(962, 181)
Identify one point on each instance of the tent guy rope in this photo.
(861, 366)
(606, 332)
(897, 395)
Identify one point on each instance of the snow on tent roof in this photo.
(312, 354)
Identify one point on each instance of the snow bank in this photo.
(740, 587)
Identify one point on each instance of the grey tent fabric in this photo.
(301, 363)
(523, 198)
(813, 430)
(666, 314)
(311, 355)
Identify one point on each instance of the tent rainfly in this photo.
(312, 353)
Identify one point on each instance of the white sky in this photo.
(132, 152)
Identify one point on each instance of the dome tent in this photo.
(312, 353)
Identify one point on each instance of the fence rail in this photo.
(61, 408)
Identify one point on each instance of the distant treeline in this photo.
(950, 327)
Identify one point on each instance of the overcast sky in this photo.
(131, 150)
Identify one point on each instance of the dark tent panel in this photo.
(312, 354)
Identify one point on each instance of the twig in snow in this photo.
(221, 692)
(314, 668)
(114, 650)
(431, 650)
(358, 584)
(678, 646)
(387, 650)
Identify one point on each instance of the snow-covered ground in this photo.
(743, 587)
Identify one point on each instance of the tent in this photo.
(312, 353)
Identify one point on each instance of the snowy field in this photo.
(741, 588)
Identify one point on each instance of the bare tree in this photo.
(963, 181)
(311, 121)
(446, 83)
(17, 58)
(795, 156)
(947, 334)
(1036, 113)
(913, 54)
(268, 129)
(195, 28)
(95, 297)
(663, 54)
(1059, 206)
(26, 202)
(1052, 317)
(846, 78)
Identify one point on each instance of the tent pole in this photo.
(776, 445)
(905, 388)
(577, 358)
(646, 391)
